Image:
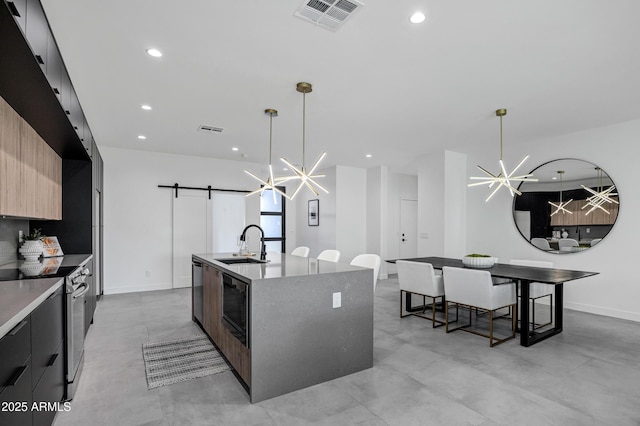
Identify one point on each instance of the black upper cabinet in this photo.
(37, 32)
(18, 9)
(34, 80)
(54, 68)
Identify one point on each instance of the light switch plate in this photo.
(337, 300)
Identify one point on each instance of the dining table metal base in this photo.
(528, 336)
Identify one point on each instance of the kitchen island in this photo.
(307, 320)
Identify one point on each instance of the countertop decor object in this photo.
(32, 247)
(502, 178)
(479, 260)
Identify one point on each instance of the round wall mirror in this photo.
(571, 207)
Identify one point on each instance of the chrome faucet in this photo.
(263, 253)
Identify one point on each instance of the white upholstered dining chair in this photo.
(371, 261)
(475, 289)
(537, 290)
(541, 243)
(566, 244)
(419, 278)
(301, 251)
(330, 255)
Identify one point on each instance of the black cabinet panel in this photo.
(47, 328)
(50, 389)
(90, 297)
(18, 9)
(20, 394)
(15, 349)
(37, 32)
(54, 68)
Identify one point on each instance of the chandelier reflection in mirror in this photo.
(270, 183)
(601, 196)
(307, 179)
(502, 178)
(561, 206)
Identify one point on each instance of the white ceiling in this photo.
(380, 84)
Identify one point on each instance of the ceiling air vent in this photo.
(209, 129)
(329, 14)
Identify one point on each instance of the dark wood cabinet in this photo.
(236, 353)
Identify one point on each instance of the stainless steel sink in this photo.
(235, 260)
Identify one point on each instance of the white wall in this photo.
(491, 229)
(137, 214)
(323, 236)
(431, 205)
(351, 206)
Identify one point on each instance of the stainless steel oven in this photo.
(235, 307)
(76, 289)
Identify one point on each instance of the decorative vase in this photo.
(31, 250)
(479, 262)
(565, 234)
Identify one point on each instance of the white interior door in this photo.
(190, 231)
(408, 228)
(228, 211)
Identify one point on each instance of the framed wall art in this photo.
(314, 212)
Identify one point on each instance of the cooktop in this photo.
(45, 268)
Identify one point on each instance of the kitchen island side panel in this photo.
(298, 339)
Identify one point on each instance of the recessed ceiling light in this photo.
(154, 52)
(146, 107)
(554, 178)
(234, 148)
(368, 155)
(142, 137)
(284, 169)
(417, 18)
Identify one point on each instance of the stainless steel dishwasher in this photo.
(196, 281)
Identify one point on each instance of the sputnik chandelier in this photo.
(503, 178)
(601, 196)
(307, 179)
(561, 206)
(270, 183)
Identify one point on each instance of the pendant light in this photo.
(600, 196)
(503, 178)
(270, 182)
(561, 206)
(306, 178)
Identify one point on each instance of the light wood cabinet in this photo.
(579, 217)
(30, 170)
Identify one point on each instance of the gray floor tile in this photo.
(587, 375)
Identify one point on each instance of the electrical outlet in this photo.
(337, 300)
(588, 230)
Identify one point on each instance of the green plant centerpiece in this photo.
(36, 234)
(478, 260)
(32, 247)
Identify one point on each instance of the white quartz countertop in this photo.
(279, 265)
(19, 298)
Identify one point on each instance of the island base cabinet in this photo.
(235, 352)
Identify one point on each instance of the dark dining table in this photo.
(524, 275)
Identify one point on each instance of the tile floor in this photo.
(588, 375)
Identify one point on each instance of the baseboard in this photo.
(136, 288)
(598, 310)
